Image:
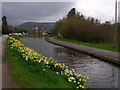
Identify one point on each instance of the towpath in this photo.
(7, 78)
(100, 53)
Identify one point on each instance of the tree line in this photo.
(6, 29)
(86, 29)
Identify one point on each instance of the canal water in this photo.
(102, 74)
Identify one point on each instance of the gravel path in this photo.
(7, 79)
(100, 53)
(0, 63)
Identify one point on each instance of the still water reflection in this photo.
(102, 74)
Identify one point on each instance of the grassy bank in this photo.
(35, 73)
(29, 35)
(101, 46)
(46, 38)
(28, 76)
(32, 35)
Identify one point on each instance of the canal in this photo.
(102, 74)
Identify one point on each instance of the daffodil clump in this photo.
(61, 69)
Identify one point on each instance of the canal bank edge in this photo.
(99, 53)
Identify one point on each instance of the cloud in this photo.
(39, 0)
(119, 11)
(0, 12)
(101, 9)
(18, 12)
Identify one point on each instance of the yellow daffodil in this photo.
(30, 54)
(57, 72)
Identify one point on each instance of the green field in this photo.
(101, 46)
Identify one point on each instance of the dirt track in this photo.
(7, 79)
(0, 62)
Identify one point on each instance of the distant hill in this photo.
(29, 25)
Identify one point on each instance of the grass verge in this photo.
(32, 76)
(46, 38)
(101, 46)
(29, 35)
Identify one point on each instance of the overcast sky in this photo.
(119, 11)
(19, 12)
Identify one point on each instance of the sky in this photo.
(34, 11)
(119, 11)
(0, 12)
